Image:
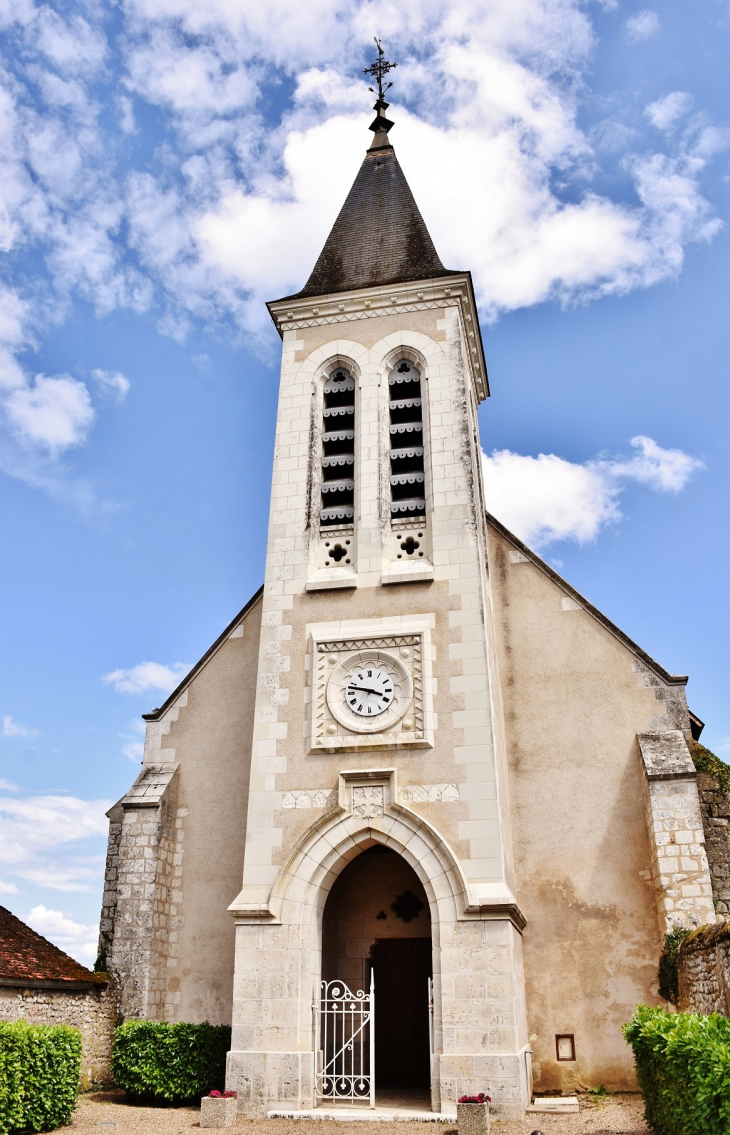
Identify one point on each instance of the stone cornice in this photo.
(394, 299)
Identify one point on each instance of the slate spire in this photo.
(380, 237)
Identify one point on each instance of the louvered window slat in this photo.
(338, 486)
(409, 451)
(412, 478)
(338, 459)
(338, 411)
(414, 506)
(405, 403)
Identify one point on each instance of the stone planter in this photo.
(217, 1111)
(472, 1118)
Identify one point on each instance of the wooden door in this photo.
(402, 969)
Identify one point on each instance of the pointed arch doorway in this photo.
(377, 921)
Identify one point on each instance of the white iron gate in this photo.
(345, 1043)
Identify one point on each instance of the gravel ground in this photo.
(617, 1115)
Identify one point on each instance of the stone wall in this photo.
(704, 971)
(715, 806)
(92, 1011)
(704, 957)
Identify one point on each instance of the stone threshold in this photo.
(367, 1115)
(555, 1105)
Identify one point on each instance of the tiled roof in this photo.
(26, 956)
(379, 237)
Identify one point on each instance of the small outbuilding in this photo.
(44, 986)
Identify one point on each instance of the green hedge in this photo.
(40, 1067)
(167, 1063)
(683, 1068)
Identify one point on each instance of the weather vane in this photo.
(380, 68)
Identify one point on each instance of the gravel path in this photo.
(617, 1115)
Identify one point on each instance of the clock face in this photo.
(369, 691)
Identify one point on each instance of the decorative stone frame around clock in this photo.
(409, 725)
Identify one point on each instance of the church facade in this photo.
(417, 761)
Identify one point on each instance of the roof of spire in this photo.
(380, 236)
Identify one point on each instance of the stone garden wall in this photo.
(92, 1011)
(715, 807)
(704, 956)
(704, 971)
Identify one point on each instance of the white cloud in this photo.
(667, 470)
(8, 888)
(147, 676)
(134, 748)
(74, 46)
(13, 728)
(134, 751)
(126, 115)
(112, 382)
(643, 25)
(74, 938)
(501, 144)
(43, 419)
(13, 319)
(223, 211)
(666, 111)
(546, 498)
(49, 840)
(55, 413)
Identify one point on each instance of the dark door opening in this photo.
(402, 1052)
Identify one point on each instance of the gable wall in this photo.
(211, 740)
(574, 700)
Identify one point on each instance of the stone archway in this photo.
(377, 918)
(475, 948)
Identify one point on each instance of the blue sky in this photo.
(168, 165)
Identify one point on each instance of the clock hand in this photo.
(365, 689)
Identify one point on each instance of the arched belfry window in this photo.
(338, 449)
(407, 487)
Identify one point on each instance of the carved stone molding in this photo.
(332, 731)
(309, 798)
(392, 300)
(368, 801)
(429, 793)
(409, 794)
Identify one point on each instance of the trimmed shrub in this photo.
(40, 1066)
(683, 1068)
(169, 1063)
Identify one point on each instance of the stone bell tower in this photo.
(378, 712)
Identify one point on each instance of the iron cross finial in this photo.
(378, 69)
